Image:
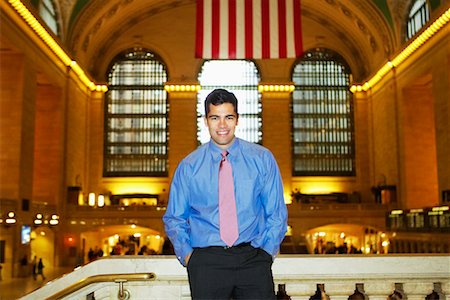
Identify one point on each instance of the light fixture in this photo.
(11, 219)
(54, 220)
(38, 220)
(91, 199)
(80, 199)
(100, 201)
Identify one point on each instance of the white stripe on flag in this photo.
(240, 29)
(223, 41)
(274, 38)
(207, 28)
(257, 29)
(290, 38)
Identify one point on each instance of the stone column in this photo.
(276, 117)
(441, 94)
(17, 127)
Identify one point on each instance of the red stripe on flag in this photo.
(232, 29)
(199, 30)
(215, 39)
(248, 29)
(265, 29)
(282, 42)
(298, 28)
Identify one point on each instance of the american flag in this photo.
(246, 29)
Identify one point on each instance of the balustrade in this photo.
(305, 277)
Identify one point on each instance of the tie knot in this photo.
(224, 154)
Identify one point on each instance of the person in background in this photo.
(34, 265)
(23, 266)
(40, 269)
(227, 256)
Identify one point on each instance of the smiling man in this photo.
(226, 216)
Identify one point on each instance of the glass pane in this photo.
(48, 14)
(418, 17)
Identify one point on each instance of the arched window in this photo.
(47, 12)
(240, 77)
(419, 14)
(322, 116)
(136, 133)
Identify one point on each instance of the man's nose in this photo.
(222, 122)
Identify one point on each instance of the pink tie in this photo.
(227, 203)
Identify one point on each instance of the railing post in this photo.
(123, 294)
(398, 293)
(359, 293)
(437, 293)
(320, 293)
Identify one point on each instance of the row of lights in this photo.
(282, 88)
(435, 210)
(54, 46)
(92, 200)
(410, 49)
(39, 219)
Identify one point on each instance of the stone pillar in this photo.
(378, 290)
(441, 94)
(276, 117)
(417, 290)
(17, 127)
(183, 127)
(341, 290)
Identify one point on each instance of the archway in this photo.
(120, 240)
(346, 239)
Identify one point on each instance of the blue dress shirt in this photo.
(192, 216)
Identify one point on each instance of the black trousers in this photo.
(239, 272)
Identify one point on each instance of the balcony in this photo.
(305, 277)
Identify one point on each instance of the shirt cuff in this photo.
(183, 253)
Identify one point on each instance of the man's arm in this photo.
(177, 214)
(274, 207)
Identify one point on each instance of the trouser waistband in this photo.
(241, 245)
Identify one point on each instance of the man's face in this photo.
(221, 122)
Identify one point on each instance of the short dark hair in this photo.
(220, 96)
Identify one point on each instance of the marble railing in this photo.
(353, 277)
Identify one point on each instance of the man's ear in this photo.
(205, 119)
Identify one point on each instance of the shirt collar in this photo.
(216, 152)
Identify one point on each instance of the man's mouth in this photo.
(223, 132)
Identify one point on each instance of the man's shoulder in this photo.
(196, 154)
(252, 148)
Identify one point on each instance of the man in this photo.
(219, 267)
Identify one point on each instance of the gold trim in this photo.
(102, 278)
